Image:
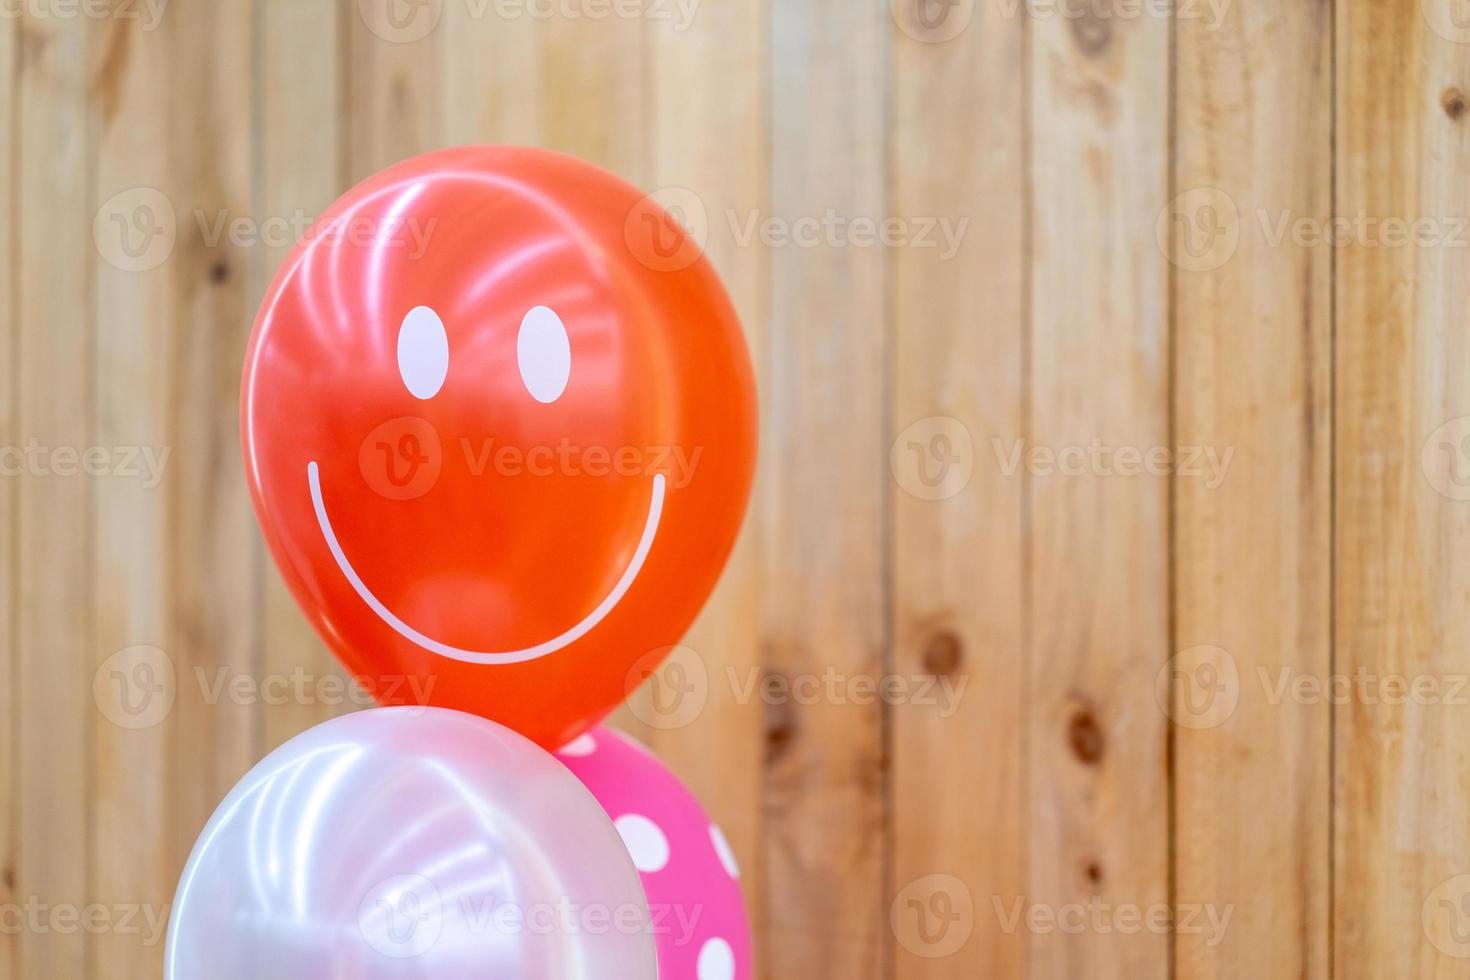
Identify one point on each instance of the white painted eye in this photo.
(544, 353)
(423, 352)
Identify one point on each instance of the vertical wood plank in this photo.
(1252, 532)
(212, 535)
(826, 495)
(959, 327)
(54, 635)
(557, 78)
(133, 308)
(494, 70)
(394, 101)
(708, 102)
(11, 799)
(1402, 857)
(300, 174)
(1098, 610)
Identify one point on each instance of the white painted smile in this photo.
(645, 544)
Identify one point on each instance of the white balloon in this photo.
(406, 843)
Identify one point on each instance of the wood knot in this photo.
(943, 654)
(1086, 736)
(1454, 102)
(1093, 34)
(1094, 873)
(780, 723)
(219, 272)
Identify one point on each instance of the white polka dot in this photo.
(582, 745)
(544, 354)
(722, 848)
(423, 352)
(716, 961)
(647, 844)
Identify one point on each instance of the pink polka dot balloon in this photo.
(688, 870)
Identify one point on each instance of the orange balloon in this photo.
(499, 427)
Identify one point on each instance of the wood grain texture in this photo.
(1402, 366)
(216, 577)
(11, 800)
(394, 104)
(300, 172)
(1068, 761)
(709, 107)
(1098, 582)
(55, 627)
(823, 553)
(958, 336)
(577, 84)
(1252, 328)
(137, 320)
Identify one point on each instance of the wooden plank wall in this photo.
(1252, 555)
(1132, 467)
(1402, 152)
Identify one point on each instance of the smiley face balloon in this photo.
(499, 427)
